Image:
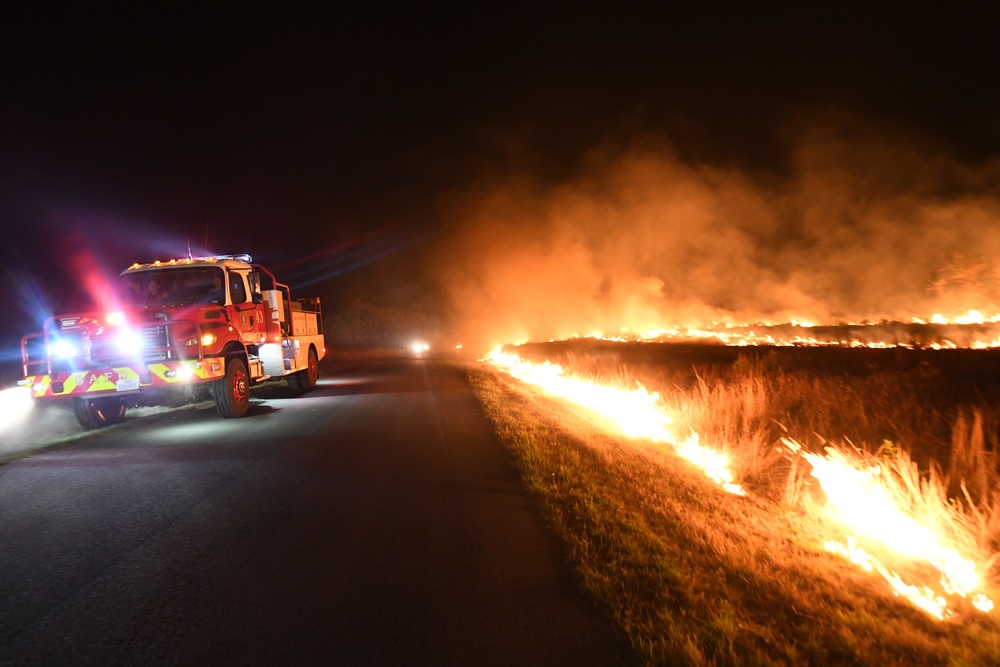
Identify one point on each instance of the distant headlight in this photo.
(63, 348)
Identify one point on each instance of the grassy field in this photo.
(695, 575)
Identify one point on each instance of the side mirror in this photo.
(255, 294)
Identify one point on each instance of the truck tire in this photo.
(98, 412)
(232, 392)
(305, 379)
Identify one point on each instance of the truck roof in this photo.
(221, 261)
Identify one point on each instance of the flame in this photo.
(971, 329)
(858, 496)
(635, 412)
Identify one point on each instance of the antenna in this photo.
(189, 249)
(206, 236)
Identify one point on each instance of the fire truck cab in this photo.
(212, 325)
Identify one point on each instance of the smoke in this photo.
(863, 222)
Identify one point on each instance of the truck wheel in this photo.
(98, 412)
(232, 393)
(305, 379)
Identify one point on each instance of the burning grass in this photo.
(695, 575)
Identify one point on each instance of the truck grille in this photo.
(103, 349)
(154, 342)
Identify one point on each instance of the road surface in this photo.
(375, 520)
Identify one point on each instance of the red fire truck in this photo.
(195, 327)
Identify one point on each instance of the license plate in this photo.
(130, 384)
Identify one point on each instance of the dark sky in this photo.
(322, 143)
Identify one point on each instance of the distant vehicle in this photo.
(212, 325)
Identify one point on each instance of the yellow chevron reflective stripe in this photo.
(181, 372)
(39, 384)
(77, 383)
(100, 383)
(72, 382)
(159, 371)
(105, 380)
(215, 368)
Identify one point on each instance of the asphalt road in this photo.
(375, 520)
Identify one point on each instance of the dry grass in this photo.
(939, 422)
(696, 576)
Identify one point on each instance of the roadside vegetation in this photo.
(694, 575)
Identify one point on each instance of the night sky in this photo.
(334, 146)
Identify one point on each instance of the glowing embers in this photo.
(636, 412)
(971, 317)
(869, 500)
(972, 330)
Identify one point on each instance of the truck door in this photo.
(248, 317)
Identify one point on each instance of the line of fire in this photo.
(930, 557)
(972, 330)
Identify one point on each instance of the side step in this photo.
(257, 369)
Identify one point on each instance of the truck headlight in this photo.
(129, 342)
(63, 348)
(206, 340)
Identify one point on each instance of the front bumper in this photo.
(124, 379)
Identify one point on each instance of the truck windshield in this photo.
(172, 286)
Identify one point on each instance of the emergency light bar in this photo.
(244, 257)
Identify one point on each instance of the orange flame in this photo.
(861, 499)
(971, 329)
(635, 412)
(858, 496)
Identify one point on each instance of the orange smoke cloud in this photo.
(865, 223)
